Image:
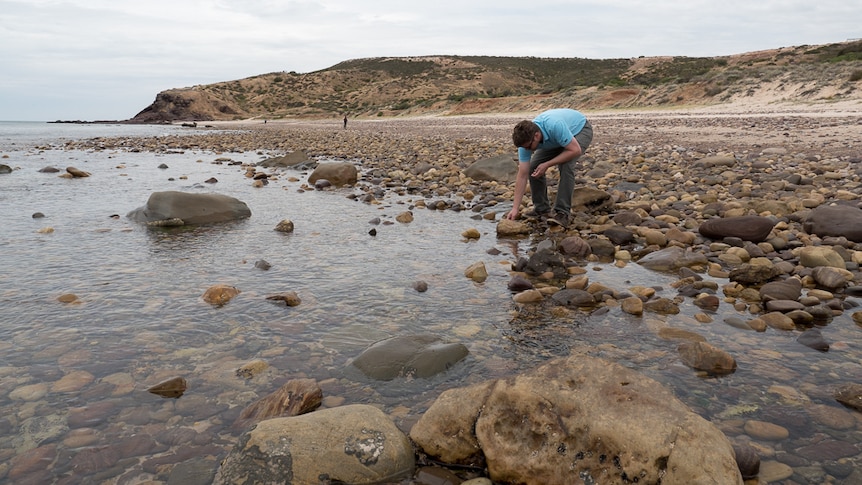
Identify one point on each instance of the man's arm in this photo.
(570, 152)
(520, 189)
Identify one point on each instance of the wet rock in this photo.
(619, 235)
(290, 298)
(477, 272)
(471, 233)
(507, 228)
(355, 444)
(73, 381)
(405, 217)
(519, 283)
(831, 278)
(828, 450)
(789, 289)
(285, 226)
(832, 416)
(778, 321)
(706, 357)
(262, 264)
(251, 369)
(747, 460)
(574, 298)
(298, 396)
(747, 228)
(575, 246)
(544, 261)
(5, 169)
(296, 160)
(765, 431)
(813, 338)
(172, 388)
(420, 286)
(662, 306)
(220, 294)
(753, 274)
(337, 173)
(191, 208)
(76, 173)
(528, 296)
(837, 220)
(602, 248)
(529, 428)
(672, 259)
(671, 333)
(632, 305)
(814, 256)
(409, 356)
(849, 395)
(322, 183)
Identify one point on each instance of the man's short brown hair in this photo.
(524, 132)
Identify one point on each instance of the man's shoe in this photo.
(559, 219)
(534, 214)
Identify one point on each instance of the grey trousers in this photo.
(539, 186)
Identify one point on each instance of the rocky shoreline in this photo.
(760, 198)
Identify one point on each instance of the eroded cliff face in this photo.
(187, 105)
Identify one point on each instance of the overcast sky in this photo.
(107, 59)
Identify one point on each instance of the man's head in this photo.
(524, 133)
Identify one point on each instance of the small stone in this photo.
(477, 272)
(471, 233)
(172, 388)
(766, 431)
(285, 226)
(220, 294)
(528, 296)
(251, 369)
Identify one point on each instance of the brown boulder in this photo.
(336, 173)
(298, 396)
(575, 417)
(748, 228)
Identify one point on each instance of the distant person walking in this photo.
(345, 122)
(555, 138)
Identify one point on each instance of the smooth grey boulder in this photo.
(502, 168)
(838, 220)
(409, 356)
(190, 208)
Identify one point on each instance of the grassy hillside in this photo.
(470, 84)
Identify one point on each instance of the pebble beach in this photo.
(778, 163)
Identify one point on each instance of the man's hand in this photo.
(539, 171)
(513, 214)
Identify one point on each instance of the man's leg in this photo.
(563, 202)
(539, 185)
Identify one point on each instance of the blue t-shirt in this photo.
(558, 127)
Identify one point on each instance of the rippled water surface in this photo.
(73, 377)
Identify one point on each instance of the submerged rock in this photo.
(409, 356)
